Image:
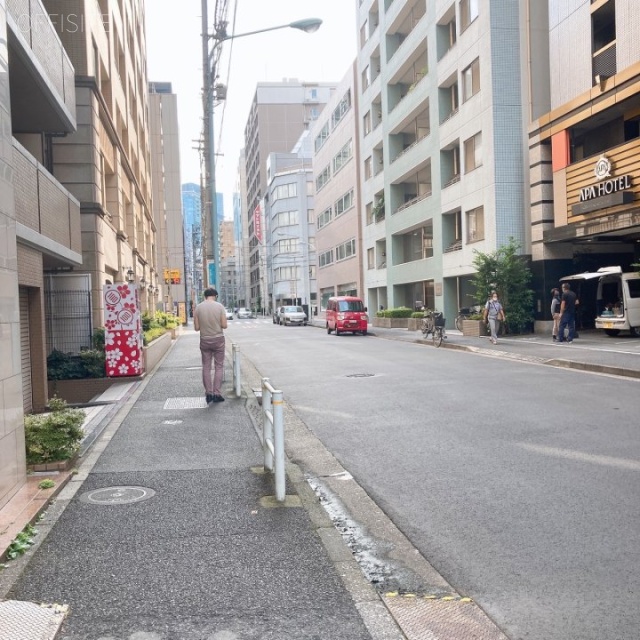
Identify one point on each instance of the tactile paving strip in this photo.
(29, 621)
(186, 403)
(427, 619)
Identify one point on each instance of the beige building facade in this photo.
(39, 218)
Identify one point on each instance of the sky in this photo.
(174, 54)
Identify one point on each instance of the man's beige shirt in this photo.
(210, 315)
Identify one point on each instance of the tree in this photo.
(507, 272)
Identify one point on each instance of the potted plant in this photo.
(474, 325)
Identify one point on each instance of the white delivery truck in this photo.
(617, 299)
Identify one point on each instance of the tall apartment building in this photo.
(167, 198)
(336, 164)
(105, 164)
(443, 144)
(279, 113)
(40, 219)
(585, 145)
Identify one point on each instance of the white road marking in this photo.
(579, 456)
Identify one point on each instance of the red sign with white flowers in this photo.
(122, 330)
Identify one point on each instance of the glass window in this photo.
(321, 137)
(324, 218)
(473, 153)
(323, 178)
(475, 224)
(342, 157)
(471, 80)
(468, 13)
(344, 203)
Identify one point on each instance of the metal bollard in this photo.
(237, 382)
(273, 436)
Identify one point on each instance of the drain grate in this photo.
(426, 619)
(29, 621)
(186, 403)
(360, 375)
(117, 495)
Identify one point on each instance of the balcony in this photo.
(47, 215)
(42, 78)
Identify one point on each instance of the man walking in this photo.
(567, 314)
(210, 319)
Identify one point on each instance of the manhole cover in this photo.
(117, 495)
(360, 375)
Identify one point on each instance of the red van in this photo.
(346, 313)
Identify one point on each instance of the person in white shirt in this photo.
(210, 319)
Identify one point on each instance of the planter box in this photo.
(153, 353)
(475, 328)
(63, 465)
(415, 324)
(391, 323)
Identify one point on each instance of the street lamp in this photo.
(210, 237)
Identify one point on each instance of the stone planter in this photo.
(474, 328)
(414, 324)
(63, 465)
(391, 323)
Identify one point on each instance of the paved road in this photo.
(517, 481)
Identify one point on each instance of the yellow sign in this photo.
(172, 276)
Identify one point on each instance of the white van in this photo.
(617, 300)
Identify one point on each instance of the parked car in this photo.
(291, 315)
(229, 314)
(346, 313)
(243, 313)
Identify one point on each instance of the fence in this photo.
(273, 435)
(68, 321)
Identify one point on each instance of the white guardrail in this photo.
(235, 357)
(273, 435)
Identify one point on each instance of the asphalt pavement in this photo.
(170, 531)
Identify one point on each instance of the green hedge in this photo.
(398, 312)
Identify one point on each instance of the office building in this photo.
(279, 113)
(167, 199)
(336, 163)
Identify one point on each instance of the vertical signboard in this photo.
(257, 223)
(211, 273)
(123, 331)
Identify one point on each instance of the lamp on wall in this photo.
(130, 275)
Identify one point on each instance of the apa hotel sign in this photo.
(607, 192)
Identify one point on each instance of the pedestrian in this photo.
(494, 314)
(567, 314)
(210, 319)
(556, 302)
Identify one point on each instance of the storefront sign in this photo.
(609, 191)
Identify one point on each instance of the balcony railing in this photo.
(410, 203)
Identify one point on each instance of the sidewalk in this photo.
(168, 531)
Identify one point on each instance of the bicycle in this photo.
(465, 313)
(433, 323)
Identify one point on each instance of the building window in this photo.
(473, 153)
(287, 245)
(468, 12)
(471, 80)
(371, 259)
(366, 78)
(346, 250)
(289, 190)
(324, 218)
(366, 123)
(368, 211)
(342, 157)
(344, 203)
(325, 258)
(323, 178)
(341, 109)
(321, 137)
(287, 218)
(368, 168)
(475, 224)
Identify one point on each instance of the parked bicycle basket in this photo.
(438, 319)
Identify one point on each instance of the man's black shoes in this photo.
(209, 397)
(217, 398)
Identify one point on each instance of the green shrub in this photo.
(417, 314)
(152, 334)
(398, 312)
(53, 436)
(68, 366)
(98, 339)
